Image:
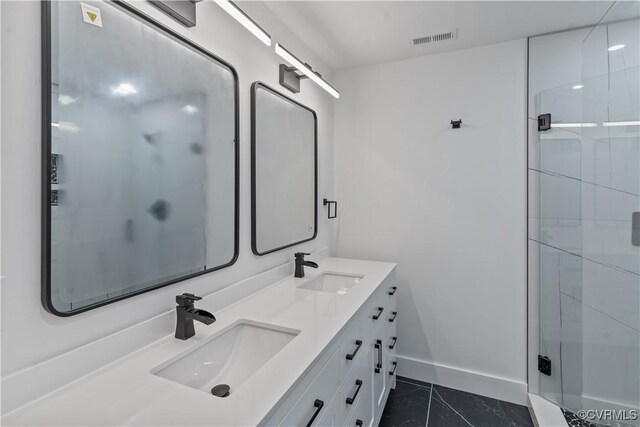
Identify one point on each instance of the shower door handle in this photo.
(635, 229)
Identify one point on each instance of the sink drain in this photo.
(221, 390)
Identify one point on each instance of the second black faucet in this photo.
(301, 264)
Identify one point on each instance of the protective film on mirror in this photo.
(142, 157)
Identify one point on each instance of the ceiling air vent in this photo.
(449, 35)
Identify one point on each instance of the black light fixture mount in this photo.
(290, 79)
(182, 11)
(455, 124)
(291, 75)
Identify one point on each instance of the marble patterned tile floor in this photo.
(574, 421)
(414, 403)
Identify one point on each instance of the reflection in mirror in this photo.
(140, 186)
(284, 171)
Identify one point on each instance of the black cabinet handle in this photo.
(393, 371)
(391, 319)
(378, 346)
(352, 355)
(377, 316)
(393, 290)
(358, 423)
(392, 346)
(350, 400)
(318, 404)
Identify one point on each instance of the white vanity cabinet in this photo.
(350, 382)
(314, 351)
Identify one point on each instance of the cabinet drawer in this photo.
(317, 397)
(361, 415)
(376, 315)
(391, 299)
(391, 290)
(352, 391)
(275, 417)
(351, 349)
(330, 413)
(392, 332)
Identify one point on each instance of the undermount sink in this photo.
(336, 283)
(230, 358)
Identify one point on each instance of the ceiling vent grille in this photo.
(449, 35)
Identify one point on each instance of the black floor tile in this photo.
(412, 402)
(471, 409)
(407, 405)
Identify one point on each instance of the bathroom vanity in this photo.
(317, 350)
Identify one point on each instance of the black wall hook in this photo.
(329, 203)
(455, 124)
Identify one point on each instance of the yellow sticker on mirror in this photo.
(91, 15)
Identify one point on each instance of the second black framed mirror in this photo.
(284, 171)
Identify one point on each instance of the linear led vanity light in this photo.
(630, 123)
(306, 70)
(245, 20)
(573, 125)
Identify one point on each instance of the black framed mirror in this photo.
(140, 156)
(284, 171)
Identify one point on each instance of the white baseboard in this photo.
(465, 380)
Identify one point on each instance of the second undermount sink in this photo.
(229, 359)
(336, 283)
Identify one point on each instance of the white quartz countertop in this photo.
(126, 393)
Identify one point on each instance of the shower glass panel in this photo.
(588, 189)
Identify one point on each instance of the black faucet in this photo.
(187, 313)
(301, 263)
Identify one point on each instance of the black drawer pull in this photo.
(318, 404)
(393, 290)
(352, 355)
(377, 316)
(358, 423)
(378, 346)
(391, 319)
(392, 346)
(393, 371)
(350, 400)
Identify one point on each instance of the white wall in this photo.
(31, 335)
(447, 205)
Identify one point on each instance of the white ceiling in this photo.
(346, 34)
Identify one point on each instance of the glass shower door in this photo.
(559, 243)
